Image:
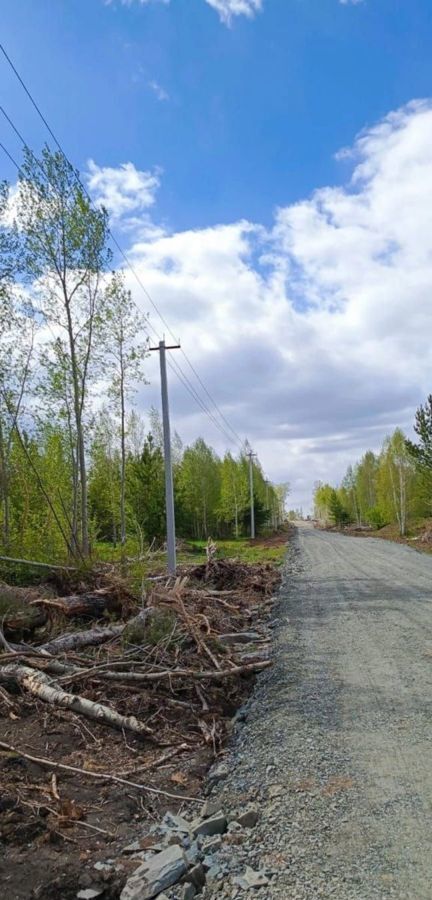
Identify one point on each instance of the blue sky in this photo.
(255, 111)
(297, 275)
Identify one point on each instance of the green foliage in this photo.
(76, 475)
(393, 487)
(375, 516)
(338, 513)
(158, 628)
(145, 491)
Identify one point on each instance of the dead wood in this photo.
(168, 674)
(40, 685)
(92, 605)
(38, 565)
(103, 776)
(75, 640)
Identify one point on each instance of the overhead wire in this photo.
(236, 438)
(172, 363)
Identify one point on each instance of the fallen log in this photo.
(40, 685)
(104, 776)
(75, 640)
(93, 605)
(20, 617)
(37, 565)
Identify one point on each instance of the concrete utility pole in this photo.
(250, 456)
(169, 486)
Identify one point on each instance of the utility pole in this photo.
(250, 456)
(169, 486)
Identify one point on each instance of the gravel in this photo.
(334, 749)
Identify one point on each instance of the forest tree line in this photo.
(72, 471)
(390, 487)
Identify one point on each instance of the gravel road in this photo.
(336, 746)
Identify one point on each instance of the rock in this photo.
(234, 827)
(196, 876)
(185, 892)
(218, 773)
(212, 844)
(192, 854)
(217, 824)
(214, 873)
(175, 823)
(156, 874)
(276, 790)
(134, 847)
(249, 817)
(144, 843)
(209, 808)
(90, 893)
(251, 879)
(103, 866)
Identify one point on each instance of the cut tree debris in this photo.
(92, 699)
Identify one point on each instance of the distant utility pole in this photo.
(169, 486)
(250, 456)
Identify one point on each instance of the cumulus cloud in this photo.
(314, 335)
(125, 191)
(227, 9)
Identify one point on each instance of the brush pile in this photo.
(96, 687)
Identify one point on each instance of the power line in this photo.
(2, 146)
(115, 242)
(174, 366)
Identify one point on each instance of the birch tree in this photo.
(396, 479)
(125, 353)
(64, 254)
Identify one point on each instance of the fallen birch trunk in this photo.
(40, 685)
(75, 640)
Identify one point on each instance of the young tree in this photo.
(198, 483)
(64, 253)
(16, 356)
(145, 483)
(126, 356)
(234, 493)
(396, 479)
(104, 478)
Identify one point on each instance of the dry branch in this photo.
(103, 776)
(39, 565)
(38, 684)
(138, 677)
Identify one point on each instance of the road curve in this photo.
(337, 745)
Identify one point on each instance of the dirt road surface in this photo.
(337, 742)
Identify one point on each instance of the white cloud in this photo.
(350, 2)
(157, 89)
(132, 2)
(126, 192)
(313, 336)
(229, 8)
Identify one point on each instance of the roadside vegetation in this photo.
(390, 492)
(81, 473)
